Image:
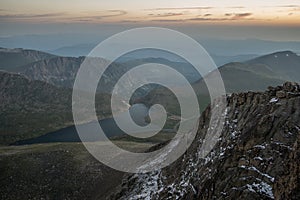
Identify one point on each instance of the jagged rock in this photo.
(280, 94)
(291, 87)
(256, 157)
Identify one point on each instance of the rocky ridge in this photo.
(256, 157)
(12, 59)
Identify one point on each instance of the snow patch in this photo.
(258, 158)
(282, 145)
(259, 147)
(259, 172)
(274, 100)
(149, 184)
(261, 188)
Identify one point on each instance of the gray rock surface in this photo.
(256, 157)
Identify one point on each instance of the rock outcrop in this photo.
(256, 157)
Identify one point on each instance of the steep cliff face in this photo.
(256, 157)
(62, 71)
(36, 65)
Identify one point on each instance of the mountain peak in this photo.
(278, 54)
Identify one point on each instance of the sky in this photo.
(132, 11)
(56, 16)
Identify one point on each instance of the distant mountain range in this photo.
(85, 49)
(247, 46)
(61, 71)
(259, 73)
(75, 44)
(75, 50)
(56, 70)
(222, 51)
(252, 75)
(41, 83)
(285, 65)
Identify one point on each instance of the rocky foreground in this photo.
(256, 157)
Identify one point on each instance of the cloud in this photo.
(30, 16)
(183, 8)
(229, 17)
(167, 20)
(113, 13)
(190, 19)
(195, 8)
(95, 18)
(238, 15)
(82, 20)
(207, 19)
(289, 6)
(237, 7)
(63, 16)
(170, 14)
(286, 7)
(129, 21)
(241, 15)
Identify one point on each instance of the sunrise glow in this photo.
(134, 11)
